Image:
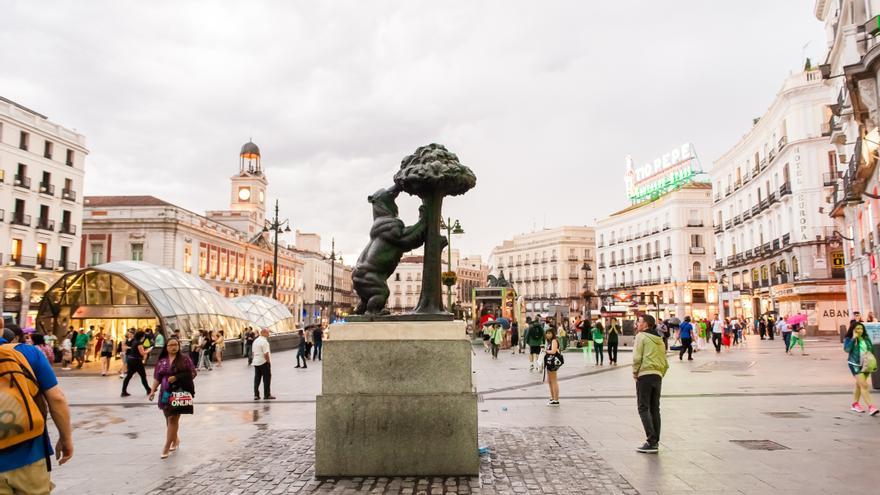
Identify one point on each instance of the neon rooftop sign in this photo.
(668, 172)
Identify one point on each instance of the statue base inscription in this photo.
(397, 400)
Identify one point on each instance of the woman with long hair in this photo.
(174, 373)
(598, 343)
(613, 339)
(552, 362)
(861, 362)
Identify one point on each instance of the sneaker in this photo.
(65, 369)
(647, 448)
(553, 403)
(872, 411)
(297, 366)
(125, 394)
(857, 407)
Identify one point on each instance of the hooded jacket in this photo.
(649, 354)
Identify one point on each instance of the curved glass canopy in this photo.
(137, 291)
(266, 312)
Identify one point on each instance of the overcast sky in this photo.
(543, 100)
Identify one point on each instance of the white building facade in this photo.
(546, 268)
(852, 69)
(657, 252)
(772, 238)
(42, 168)
(318, 267)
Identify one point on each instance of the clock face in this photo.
(244, 194)
(262, 197)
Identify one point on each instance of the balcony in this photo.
(786, 239)
(830, 179)
(47, 189)
(737, 184)
(602, 265)
(68, 228)
(553, 259)
(766, 248)
(830, 127)
(554, 277)
(45, 224)
(784, 189)
(697, 250)
(782, 142)
(776, 244)
(755, 210)
(747, 214)
(666, 226)
(737, 220)
(601, 245)
(728, 224)
(772, 155)
(763, 163)
(756, 171)
(698, 277)
(695, 223)
(667, 252)
(717, 197)
(719, 229)
(19, 218)
(667, 280)
(656, 255)
(719, 263)
(727, 191)
(573, 276)
(731, 260)
(68, 194)
(518, 262)
(22, 181)
(772, 198)
(763, 204)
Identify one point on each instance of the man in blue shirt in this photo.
(686, 335)
(24, 468)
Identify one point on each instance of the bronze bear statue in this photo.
(389, 239)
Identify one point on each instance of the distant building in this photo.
(405, 284)
(546, 267)
(316, 279)
(42, 167)
(227, 249)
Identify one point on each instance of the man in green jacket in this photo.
(649, 366)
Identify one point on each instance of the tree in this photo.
(431, 173)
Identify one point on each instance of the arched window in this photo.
(12, 290)
(795, 267)
(37, 290)
(697, 270)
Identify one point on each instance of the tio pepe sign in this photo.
(663, 174)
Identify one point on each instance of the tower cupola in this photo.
(249, 159)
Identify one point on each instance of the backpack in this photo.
(20, 413)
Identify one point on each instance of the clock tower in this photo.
(249, 185)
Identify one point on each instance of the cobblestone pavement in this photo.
(522, 460)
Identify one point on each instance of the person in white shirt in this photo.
(717, 331)
(785, 331)
(262, 366)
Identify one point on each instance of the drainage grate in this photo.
(786, 414)
(760, 445)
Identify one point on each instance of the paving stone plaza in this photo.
(749, 421)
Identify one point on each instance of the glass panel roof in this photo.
(266, 312)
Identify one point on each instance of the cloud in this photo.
(541, 99)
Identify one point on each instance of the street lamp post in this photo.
(332, 277)
(277, 227)
(449, 279)
(587, 295)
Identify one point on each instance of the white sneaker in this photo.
(65, 369)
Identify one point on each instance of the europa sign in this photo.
(662, 175)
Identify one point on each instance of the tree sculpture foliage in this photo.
(431, 173)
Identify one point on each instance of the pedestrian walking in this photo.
(861, 362)
(497, 339)
(106, 353)
(262, 366)
(173, 378)
(514, 338)
(135, 362)
(598, 343)
(686, 336)
(613, 339)
(771, 327)
(123, 349)
(649, 367)
(219, 347)
(161, 338)
(762, 328)
(25, 448)
(702, 334)
(81, 344)
(798, 332)
(535, 339)
(717, 333)
(67, 351)
(249, 337)
(785, 331)
(205, 350)
(318, 339)
(99, 341)
(736, 331)
(552, 361)
(301, 351)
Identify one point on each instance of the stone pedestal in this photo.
(397, 400)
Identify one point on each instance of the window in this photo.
(203, 261)
(69, 159)
(23, 140)
(97, 251)
(16, 250)
(47, 150)
(41, 253)
(64, 257)
(137, 251)
(697, 271)
(187, 259)
(696, 240)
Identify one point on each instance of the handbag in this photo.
(181, 402)
(868, 362)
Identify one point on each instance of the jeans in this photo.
(786, 336)
(686, 346)
(316, 354)
(80, 356)
(249, 352)
(612, 351)
(600, 352)
(135, 366)
(494, 349)
(263, 372)
(204, 359)
(716, 341)
(301, 354)
(648, 396)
